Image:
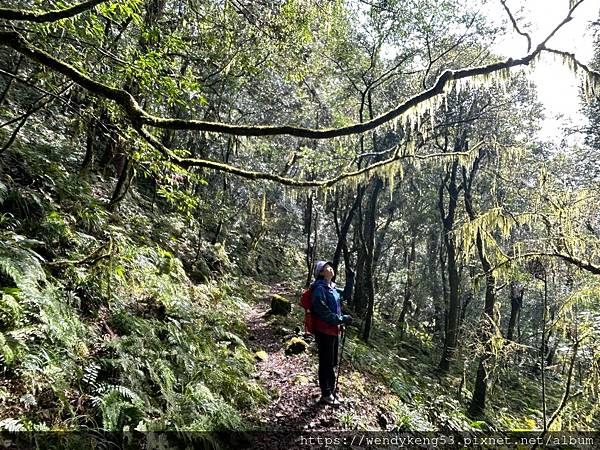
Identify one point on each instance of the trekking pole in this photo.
(337, 379)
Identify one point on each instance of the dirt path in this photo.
(292, 381)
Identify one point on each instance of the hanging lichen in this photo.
(263, 209)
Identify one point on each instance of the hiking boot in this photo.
(329, 400)
(338, 398)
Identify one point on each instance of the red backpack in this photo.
(306, 303)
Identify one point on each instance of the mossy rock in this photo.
(301, 380)
(280, 305)
(295, 346)
(261, 355)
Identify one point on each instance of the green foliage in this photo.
(120, 407)
(113, 334)
(56, 229)
(172, 361)
(7, 353)
(408, 418)
(19, 264)
(3, 192)
(101, 325)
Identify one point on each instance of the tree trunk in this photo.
(477, 406)
(516, 303)
(358, 299)
(343, 231)
(369, 242)
(436, 278)
(310, 250)
(542, 359)
(123, 182)
(408, 286)
(451, 334)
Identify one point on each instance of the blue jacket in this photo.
(326, 302)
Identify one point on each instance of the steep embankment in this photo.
(113, 318)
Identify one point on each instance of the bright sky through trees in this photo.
(558, 89)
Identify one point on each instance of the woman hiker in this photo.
(327, 310)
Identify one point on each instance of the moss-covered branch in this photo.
(137, 115)
(47, 16)
(570, 57)
(140, 118)
(186, 163)
(585, 265)
(578, 262)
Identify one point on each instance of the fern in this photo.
(231, 338)
(161, 373)
(174, 362)
(20, 263)
(119, 405)
(123, 391)
(11, 310)
(7, 354)
(8, 267)
(11, 425)
(90, 374)
(3, 192)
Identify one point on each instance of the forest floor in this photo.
(291, 380)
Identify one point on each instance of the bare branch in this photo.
(568, 18)
(47, 16)
(35, 107)
(93, 45)
(40, 102)
(56, 97)
(516, 26)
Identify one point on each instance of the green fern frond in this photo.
(119, 406)
(123, 391)
(90, 374)
(162, 374)
(20, 263)
(7, 354)
(233, 338)
(112, 407)
(8, 267)
(3, 192)
(11, 425)
(11, 311)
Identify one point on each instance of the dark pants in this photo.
(328, 356)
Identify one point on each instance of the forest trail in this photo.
(291, 380)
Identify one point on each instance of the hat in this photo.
(319, 266)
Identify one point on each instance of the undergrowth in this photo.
(100, 326)
(122, 343)
(423, 400)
